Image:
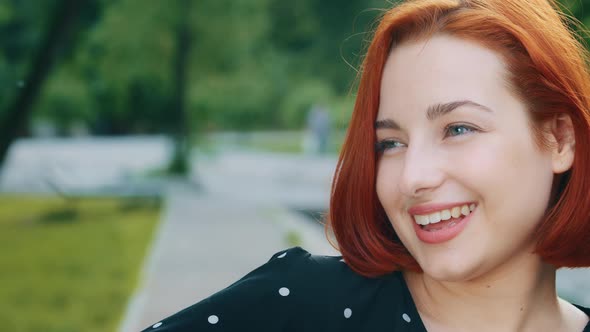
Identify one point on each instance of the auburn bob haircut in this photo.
(547, 68)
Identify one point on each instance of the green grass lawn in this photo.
(70, 265)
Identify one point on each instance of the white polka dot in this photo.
(284, 291)
(213, 319)
(342, 260)
(155, 326)
(282, 255)
(406, 318)
(347, 313)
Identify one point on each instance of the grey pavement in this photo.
(244, 211)
(293, 180)
(86, 165)
(208, 241)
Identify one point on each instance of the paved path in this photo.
(243, 212)
(206, 242)
(78, 166)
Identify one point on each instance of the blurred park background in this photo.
(152, 152)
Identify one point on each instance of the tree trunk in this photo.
(180, 163)
(16, 118)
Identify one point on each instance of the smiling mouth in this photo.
(444, 218)
(442, 225)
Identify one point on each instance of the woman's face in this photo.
(453, 135)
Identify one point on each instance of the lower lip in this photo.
(442, 235)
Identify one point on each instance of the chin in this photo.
(451, 271)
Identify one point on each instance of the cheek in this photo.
(380, 183)
(386, 185)
(512, 176)
(499, 157)
(387, 179)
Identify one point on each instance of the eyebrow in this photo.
(433, 112)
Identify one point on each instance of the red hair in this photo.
(547, 68)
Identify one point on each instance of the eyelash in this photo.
(389, 144)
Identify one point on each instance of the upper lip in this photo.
(422, 209)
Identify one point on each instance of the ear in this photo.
(560, 132)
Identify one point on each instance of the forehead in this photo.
(442, 69)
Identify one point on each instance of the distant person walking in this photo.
(318, 124)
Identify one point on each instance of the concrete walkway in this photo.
(209, 238)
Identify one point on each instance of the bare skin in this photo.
(516, 301)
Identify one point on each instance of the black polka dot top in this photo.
(297, 291)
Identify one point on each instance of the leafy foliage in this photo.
(253, 63)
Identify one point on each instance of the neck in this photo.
(520, 296)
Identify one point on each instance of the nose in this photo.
(422, 172)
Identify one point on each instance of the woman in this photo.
(460, 189)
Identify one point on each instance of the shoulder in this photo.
(322, 281)
(293, 289)
(586, 311)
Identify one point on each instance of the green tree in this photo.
(58, 36)
(181, 133)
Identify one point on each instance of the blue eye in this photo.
(457, 130)
(387, 145)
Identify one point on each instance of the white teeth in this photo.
(465, 210)
(456, 212)
(422, 220)
(434, 218)
(446, 214)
